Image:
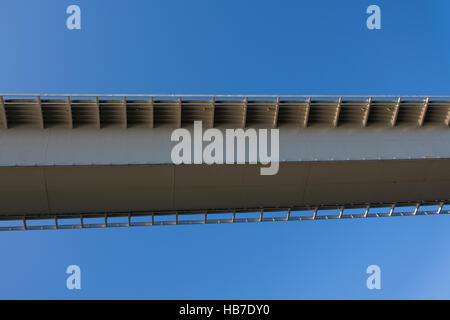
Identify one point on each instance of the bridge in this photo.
(104, 160)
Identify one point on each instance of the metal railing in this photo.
(211, 217)
(180, 95)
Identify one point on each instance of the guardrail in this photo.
(234, 216)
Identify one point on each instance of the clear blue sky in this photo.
(235, 47)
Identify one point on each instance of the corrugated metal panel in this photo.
(56, 113)
(230, 113)
(382, 113)
(103, 112)
(353, 113)
(3, 121)
(410, 113)
(139, 113)
(197, 110)
(261, 114)
(85, 113)
(293, 112)
(113, 113)
(23, 112)
(322, 113)
(167, 113)
(438, 113)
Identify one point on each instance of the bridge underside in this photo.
(68, 191)
(84, 157)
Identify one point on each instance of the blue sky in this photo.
(232, 47)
